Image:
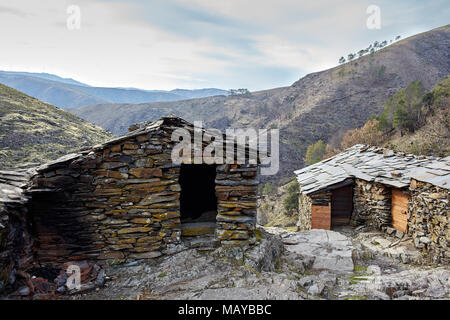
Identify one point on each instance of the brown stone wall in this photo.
(371, 204)
(112, 204)
(15, 242)
(122, 202)
(429, 220)
(236, 191)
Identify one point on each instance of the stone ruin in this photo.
(124, 200)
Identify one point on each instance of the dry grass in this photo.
(32, 131)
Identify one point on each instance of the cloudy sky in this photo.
(167, 44)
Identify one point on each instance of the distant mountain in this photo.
(314, 108)
(46, 76)
(57, 93)
(199, 93)
(69, 93)
(32, 131)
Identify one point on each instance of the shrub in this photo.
(368, 134)
(402, 110)
(290, 203)
(315, 152)
(268, 188)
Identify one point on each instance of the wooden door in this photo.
(399, 210)
(321, 217)
(341, 206)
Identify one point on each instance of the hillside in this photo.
(68, 93)
(315, 107)
(413, 121)
(430, 136)
(32, 131)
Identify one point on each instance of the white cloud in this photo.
(194, 43)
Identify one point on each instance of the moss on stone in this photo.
(360, 269)
(355, 297)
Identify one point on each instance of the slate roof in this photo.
(436, 173)
(169, 123)
(12, 185)
(374, 164)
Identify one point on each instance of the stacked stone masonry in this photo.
(236, 191)
(122, 202)
(16, 241)
(112, 204)
(371, 204)
(304, 209)
(429, 220)
(428, 213)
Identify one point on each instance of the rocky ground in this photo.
(316, 264)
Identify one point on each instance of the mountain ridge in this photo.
(314, 108)
(68, 93)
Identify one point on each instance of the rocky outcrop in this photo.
(329, 250)
(279, 266)
(265, 255)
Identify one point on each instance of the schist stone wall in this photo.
(122, 201)
(304, 212)
(236, 191)
(118, 202)
(428, 225)
(371, 204)
(16, 242)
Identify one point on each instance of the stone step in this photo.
(198, 229)
(203, 243)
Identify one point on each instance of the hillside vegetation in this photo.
(316, 107)
(279, 206)
(32, 131)
(413, 121)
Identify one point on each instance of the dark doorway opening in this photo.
(341, 206)
(198, 201)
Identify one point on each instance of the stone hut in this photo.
(390, 191)
(126, 199)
